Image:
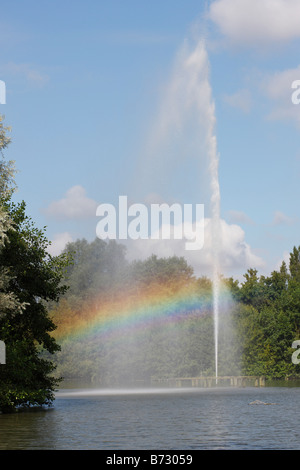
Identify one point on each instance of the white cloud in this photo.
(234, 253)
(281, 219)
(75, 205)
(59, 242)
(257, 22)
(240, 100)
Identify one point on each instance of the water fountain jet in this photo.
(188, 109)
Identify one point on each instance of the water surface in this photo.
(160, 419)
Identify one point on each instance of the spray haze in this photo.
(159, 324)
(185, 132)
(176, 147)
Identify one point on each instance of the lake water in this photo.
(181, 419)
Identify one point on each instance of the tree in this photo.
(8, 300)
(96, 267)
(172, 270)
(253, 290)
(30, 278)
(269, 319)
(35, 280)
(295, 264)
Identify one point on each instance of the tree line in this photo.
(259, 319)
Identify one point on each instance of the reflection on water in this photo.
(67, 393)
(158, 419)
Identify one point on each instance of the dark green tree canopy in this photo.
(35, 279)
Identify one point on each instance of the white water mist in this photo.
(215, 234)
(191, 94)
(184, 132)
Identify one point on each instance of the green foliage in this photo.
(35, 279)
(259, 319)
(176, 340)
(96, 267)
(160, 344)
(7, 168)
(269, 320)
(161, 270)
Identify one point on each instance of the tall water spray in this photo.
(215, 235)
(188, 113)
(215, 217)
(211, 142)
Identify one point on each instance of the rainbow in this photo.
(133, 311)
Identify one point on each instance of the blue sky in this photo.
(85, 83)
